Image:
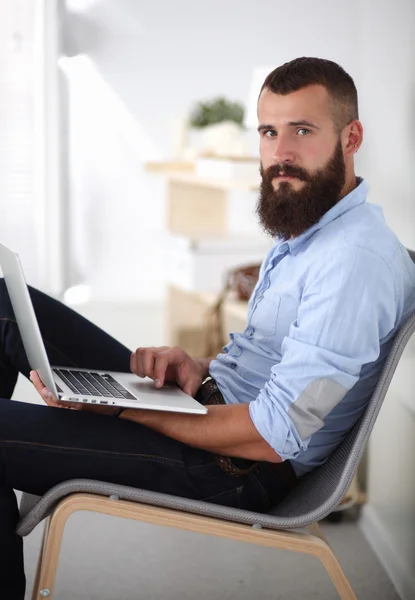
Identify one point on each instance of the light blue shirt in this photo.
(320, 324)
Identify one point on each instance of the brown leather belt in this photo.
(208, 394)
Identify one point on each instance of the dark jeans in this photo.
(42, 446)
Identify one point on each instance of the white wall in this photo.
(17, 131)
(160, 58)
(387, 97)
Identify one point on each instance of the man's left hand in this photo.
(50, 400)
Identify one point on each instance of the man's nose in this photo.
(283, 153)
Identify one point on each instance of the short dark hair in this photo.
(301, 72)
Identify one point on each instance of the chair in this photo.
(315, 496)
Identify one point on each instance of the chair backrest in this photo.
(411, 254)
(321, 490)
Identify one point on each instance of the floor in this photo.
(109, 558)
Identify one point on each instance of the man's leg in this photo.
(70, 340)
(42, 446)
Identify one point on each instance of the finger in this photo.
(134, 364)
(39, 385)
(142, 360)
(191, 387)
(149, 359)
(137, 362)
(34, 378)
(43, 390)
(162, 361)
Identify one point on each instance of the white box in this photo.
(244, 169)
(201, 265)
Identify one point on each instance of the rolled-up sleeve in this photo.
(348, 306)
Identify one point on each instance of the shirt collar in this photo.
(356, 197)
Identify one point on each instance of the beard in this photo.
(287, 212)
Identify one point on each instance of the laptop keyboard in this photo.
(93, 384)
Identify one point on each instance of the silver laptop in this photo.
(83, 385)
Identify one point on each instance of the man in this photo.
(332, 292)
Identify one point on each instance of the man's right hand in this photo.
(170, 364)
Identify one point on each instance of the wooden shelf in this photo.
(166, 167)
(184, 172)
(221, 184)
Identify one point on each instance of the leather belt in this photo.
(210, 394)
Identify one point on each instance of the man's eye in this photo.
(303, 131)
(270, 133)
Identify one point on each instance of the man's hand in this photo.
(174, 365)
(52, 401)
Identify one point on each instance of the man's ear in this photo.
(352, 138)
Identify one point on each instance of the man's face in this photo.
(302, 163)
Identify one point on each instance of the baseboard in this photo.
(375, 533)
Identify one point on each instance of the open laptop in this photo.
(83, 385)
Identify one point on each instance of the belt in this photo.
(208, 394)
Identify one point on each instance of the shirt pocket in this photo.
(264, 317)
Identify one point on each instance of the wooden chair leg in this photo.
(312, 543)
(337, 575)
(40, 560)
(49, 554)
(332, 565)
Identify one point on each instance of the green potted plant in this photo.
(217, 128)
(215, 111)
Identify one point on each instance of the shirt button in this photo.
(250, 332)
(232, 365)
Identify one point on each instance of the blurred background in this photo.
(129, 173)
(92, 91)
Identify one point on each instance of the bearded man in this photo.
(332, 292)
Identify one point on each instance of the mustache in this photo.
(287, 169)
